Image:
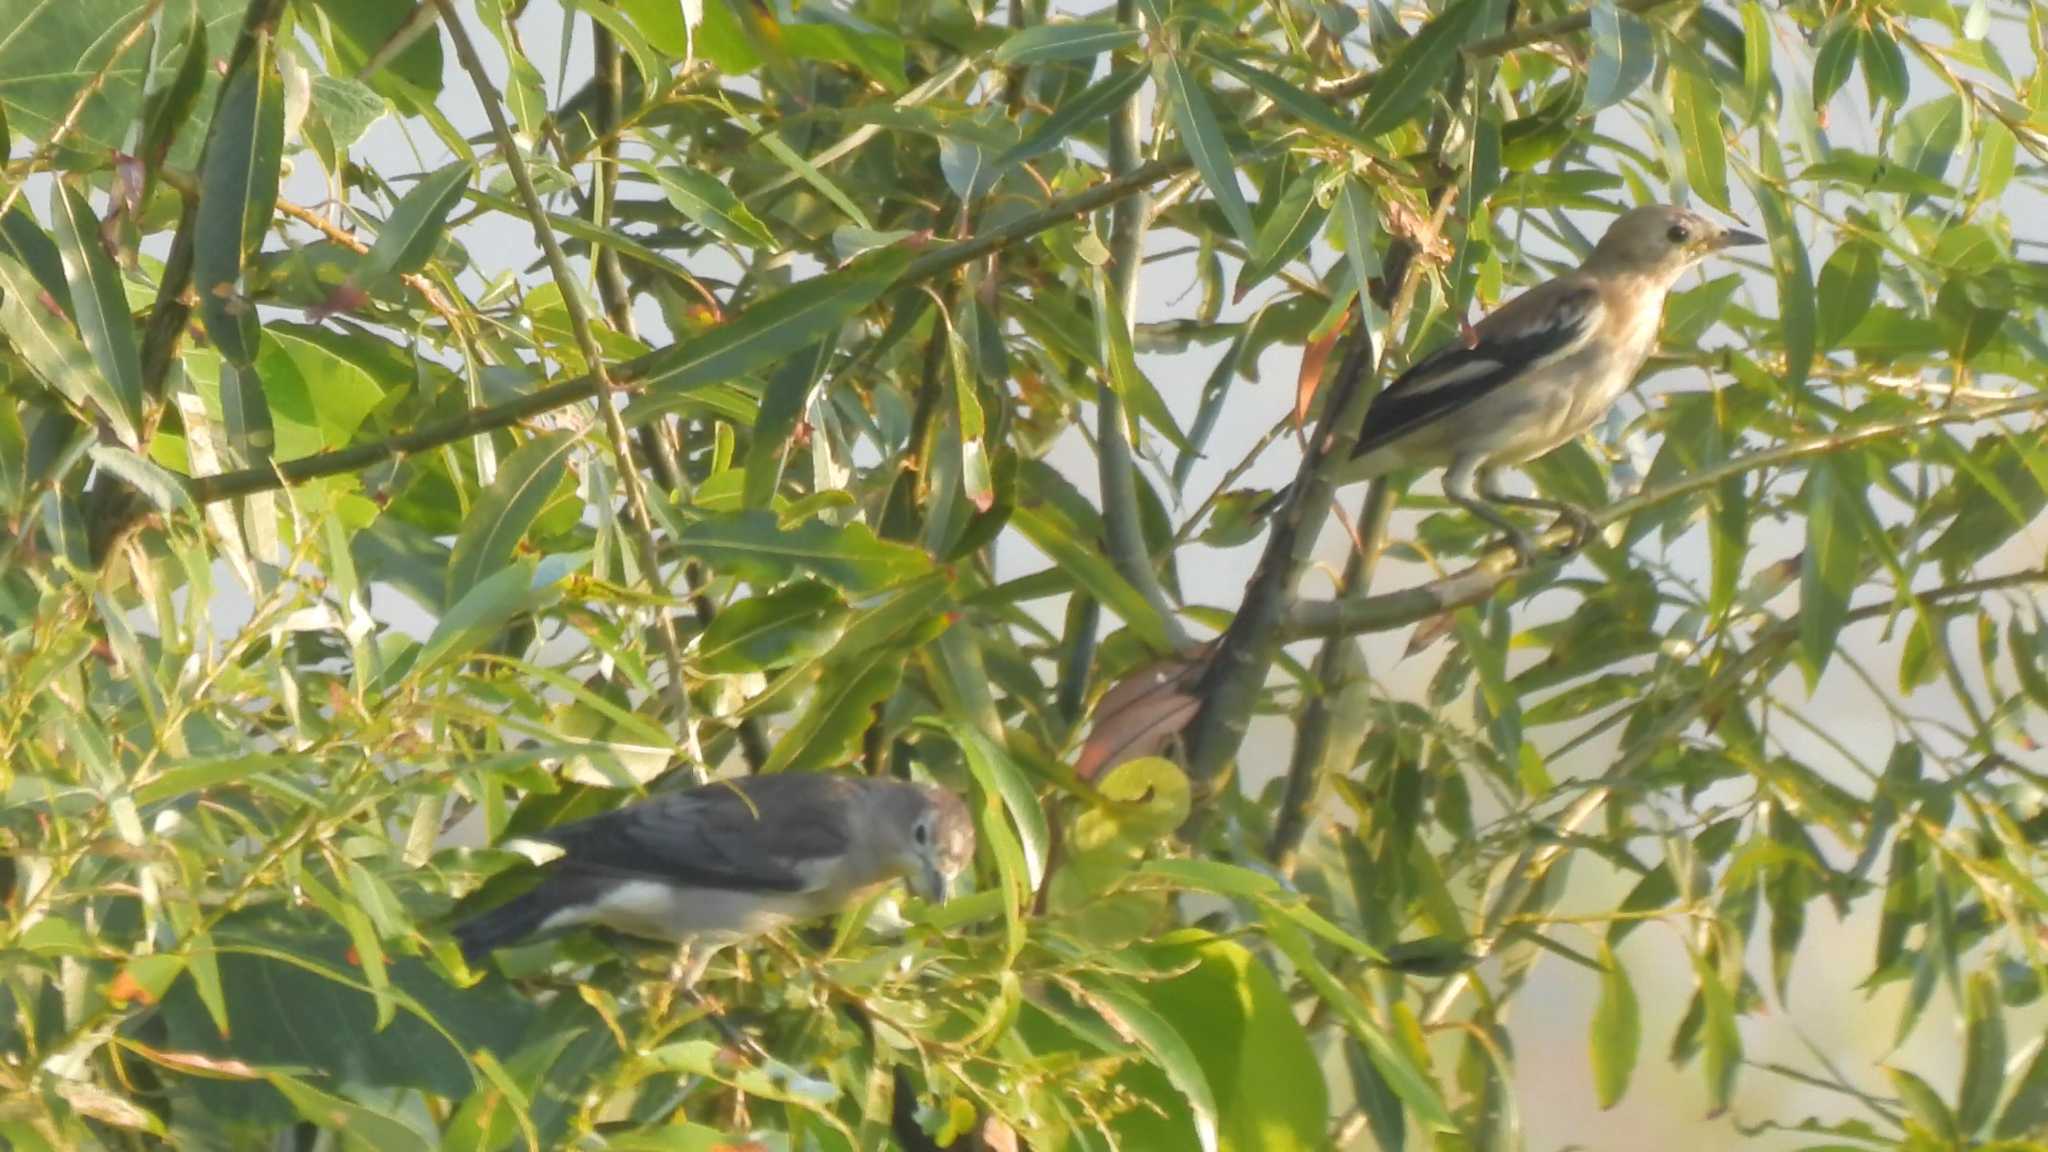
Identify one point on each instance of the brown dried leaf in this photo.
(1418, 230)
(1140, 714)
(1428, 633)
(1313, 358)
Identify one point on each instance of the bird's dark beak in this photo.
(931, 885)
(1737, 238)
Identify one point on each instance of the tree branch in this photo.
(942, 259)
(1340, 674)
(579, 321)
(1114, 469)
(1496, 567)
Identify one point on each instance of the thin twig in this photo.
(586, 339)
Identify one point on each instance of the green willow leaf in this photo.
(2026, 1108)
(1722, 1046)
(1828, 567)
(43, 338)
(170, 107)
(102, 308)
(1141, 400)
(792, 319)
(1195, 119)
(1756, 57)
(775, 422)
(1834, 60)
(828, 732)
(238, 196)
(1084, 563)
(414, 227)
(1696, 109)
(1286, 232)
(1623, 56)
(1132, 1017)
(756, 546)
(526, 482)
(772, 630)
(1085, 110)
(1848, 287)
(1079, 40)
(1000, 775)
(1415, 75)
(1617, 1032)
(1310, 110)
(1794, 270)
(708, 203)
(1925, 1104)
(1983, 1056)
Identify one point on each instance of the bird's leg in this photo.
(1570, 515)
(1459, 489)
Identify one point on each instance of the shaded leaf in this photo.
(1195, 120)
(43, 338)
(526, 482)
(237, 197)
(1077, 40)
(1617, 1032)
(1623, 56)
(1848, 287)
(1407, 83)
(792, 319)
(755, 546)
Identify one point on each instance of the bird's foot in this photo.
(1580, 522)
(1525, 549)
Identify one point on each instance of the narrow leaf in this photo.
(792, 319)
(1623, 56)
(102, 309)
(1617, 1032)
(43, 338)
(1079, 40)
(526, 481)
(1085, 110)
(238, 195)
(1696, 109)
(1415, 75)
(708, 203)
(1195, 120)
(1829, 564)
(415, 225)
(1848, 287)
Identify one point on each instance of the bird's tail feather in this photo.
(508, 923)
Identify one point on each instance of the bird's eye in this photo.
(1678, 234)
(922, 833)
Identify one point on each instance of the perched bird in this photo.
(1539, 371)
(731, 860)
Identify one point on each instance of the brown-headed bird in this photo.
(1538, 371)
(725, 862)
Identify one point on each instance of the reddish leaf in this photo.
(1139, 716)
(1313, 358)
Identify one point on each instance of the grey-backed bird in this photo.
(727, 861)
(1538, 371)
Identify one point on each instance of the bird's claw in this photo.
(1525, 549)
(1581, 524)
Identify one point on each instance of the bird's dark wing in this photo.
(756, 834)
(1547, 321)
